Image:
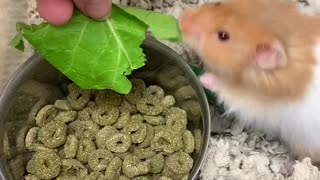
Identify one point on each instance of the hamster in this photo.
(262, 58)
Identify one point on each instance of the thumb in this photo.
(56, 12)
(96, 9)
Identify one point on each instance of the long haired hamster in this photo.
(262, 59)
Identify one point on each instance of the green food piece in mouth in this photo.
(98, 55)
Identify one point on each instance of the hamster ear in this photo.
(270, 55)
(186, 18)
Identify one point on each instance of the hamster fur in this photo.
(262, 59)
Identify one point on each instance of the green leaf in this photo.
(163, 27)
(94, 55)
(17, 42)
(98, 55)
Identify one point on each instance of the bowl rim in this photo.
(35, 59)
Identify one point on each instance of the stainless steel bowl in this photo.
(37, 83)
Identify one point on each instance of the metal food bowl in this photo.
(37, 83)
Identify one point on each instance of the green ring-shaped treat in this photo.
(143, 153)
(78, 98)
(176, 118)
(118, 143)
(166, 140)
(122, 155)
(45, 115)
(83, 129)
(168, 101)
(44, 164)
(156, 163)
(71, 146)
(171, 78)
(164, 178)
(153, 91)
(31, 177)
(166, 172)
(155, 176)
(133, 166)
(95, 176)
(137, 131)
(193, 109)
(149, 137)
(113, 169)
(73, 168)
(185, 93)
(91, 104)
(32, 143)
(157, 129)
(85, 148)
(135, 94)
(66, 116)
(137, 118)
(149, 106)
(185, 177)
(108, 97)
(99, 159)
(197, 140)
(179, 163)
(188, 142)
(141, 178)
(126, 106)
(123, 120)
(53, 134)
(62, 105)
(85, 114)
(66, 177)
(105, 115)
(154, 120)
(103, 135)
(124, 178)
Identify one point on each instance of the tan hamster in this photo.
(262, 59)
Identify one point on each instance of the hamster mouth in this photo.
(211, 69)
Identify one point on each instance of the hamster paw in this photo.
(208, 81)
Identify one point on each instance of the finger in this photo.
(96, 9)
(56, 12)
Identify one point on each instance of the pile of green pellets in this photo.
(102, 135)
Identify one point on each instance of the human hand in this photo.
(58, 12)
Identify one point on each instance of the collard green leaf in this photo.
(98, 55)
(94, 55)
(163, 27)
(17, 42)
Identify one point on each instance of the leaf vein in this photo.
(121, 48)
(77, 46)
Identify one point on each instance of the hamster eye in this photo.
(223, 36)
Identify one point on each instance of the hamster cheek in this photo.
(209, 82)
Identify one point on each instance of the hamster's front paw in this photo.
(209, 81)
